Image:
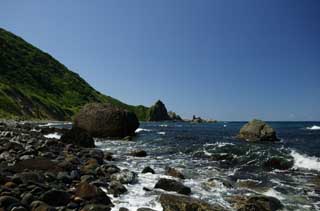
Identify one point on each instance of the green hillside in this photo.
(34, 85)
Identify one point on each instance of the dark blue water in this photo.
(218, 166)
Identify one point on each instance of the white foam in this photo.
(305, 162)
(314, 127)
(161, 133)
(224, 125)
(50, 124)
(163, 125)
(273, 193)
(142, 129)
(136, 197)
(53, 135)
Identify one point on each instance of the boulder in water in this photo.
(106, 120)
(257, 130)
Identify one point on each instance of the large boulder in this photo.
(78, 136)
(257, 130)
(158, 112)
(171, 202)
(106, 120)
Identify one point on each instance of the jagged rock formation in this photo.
(158, 112)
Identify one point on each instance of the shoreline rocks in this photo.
(257, 131)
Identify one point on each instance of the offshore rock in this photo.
(257, 130)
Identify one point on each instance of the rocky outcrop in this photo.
(197, 119)
(158, 112)
(172, 202)
(172, 185)
(106, 120)
(78, 137)
(174, 117)
(257, 130)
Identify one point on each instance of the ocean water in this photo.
(218, 166)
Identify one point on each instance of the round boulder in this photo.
(106, 120)
(257, 130)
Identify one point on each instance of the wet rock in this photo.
(172, 202)
(91, 193)
(148, 170)
(27, 198)
(172, 185)
(108, 156)
(125, 177)
(138, 153)
(174, 173)
(123, 209)
(106, 120)
(56, 198)
(8, 201)
(116, 188)
(89, 167)
(257, 130)
(261, 203)
(280, 163)
(41, 206)
(96, 207)
(97, 154)
(79, 137)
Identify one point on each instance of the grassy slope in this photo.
(33, 85)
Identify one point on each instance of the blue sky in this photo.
(229, 60)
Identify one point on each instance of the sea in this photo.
(219, 167)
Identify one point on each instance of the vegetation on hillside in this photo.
(34, 85)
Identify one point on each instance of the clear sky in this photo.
(223, 59)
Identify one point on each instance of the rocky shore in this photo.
(39, 173)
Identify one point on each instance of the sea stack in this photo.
(158, 112)
(106, 120)
(257, 130)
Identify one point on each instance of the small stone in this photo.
(148, 170)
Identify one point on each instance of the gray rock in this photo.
(148, 169)
(257, 130)
(172, 185)
(116, 188)
(125, 177)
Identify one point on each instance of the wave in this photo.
(305, 162)
(163, 125)
(161, 133)
(314, 127)
(53, 135)
(142, 129)
(52, 124)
